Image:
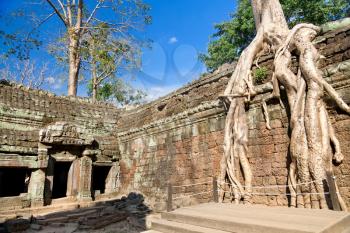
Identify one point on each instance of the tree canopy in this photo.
(233, 36)
(94, 40)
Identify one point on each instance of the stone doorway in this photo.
(13, 181)
(60, 178)
(99, 178)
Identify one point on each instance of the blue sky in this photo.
(179, 31)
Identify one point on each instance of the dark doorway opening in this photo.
(99, 175)
(60, 177)
(13, 181)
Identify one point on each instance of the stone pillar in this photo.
(49, 181)
(73, 179)
(112, 180)
(84, 193)
(36, 187)
(43, 156)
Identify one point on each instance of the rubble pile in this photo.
(131, 210)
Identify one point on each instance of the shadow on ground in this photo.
(125, 215)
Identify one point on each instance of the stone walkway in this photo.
(224, 218)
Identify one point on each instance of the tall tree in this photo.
(107, 57)
(71, 16)
(79, 20)
(234, 35)
(312, 133)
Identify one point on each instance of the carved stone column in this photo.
(43, 156)
(49, 181)
(73, 179)
(36, 187)
(112, 180)
(84, 193)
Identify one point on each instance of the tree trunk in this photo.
(94, 81)
(311, 130)
(74, 61)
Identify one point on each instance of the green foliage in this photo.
(260, 75)
(108, 57)
(234, 35)
(314, 11)
(118, 92)
(17, 41)
(107, 43)
(231, 37)
(18, 45)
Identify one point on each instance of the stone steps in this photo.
(174, 227)
(215, 217)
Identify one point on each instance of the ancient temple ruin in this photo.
(55, 150)
(59, 149)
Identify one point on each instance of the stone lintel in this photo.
(103, 163)
(64, 157)
(21, 161)
(18, 150)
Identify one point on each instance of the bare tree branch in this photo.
(93, 12)
(79, 15)
(42, 76)
(40, 23)
(26, 73)
(63, 9)
(57, 12)
(101, 77)
(69, 13)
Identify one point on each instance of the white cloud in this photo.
(172, 40)
(50, 80)
(54, 83)
(159, 91)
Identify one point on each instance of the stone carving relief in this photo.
(64, 133)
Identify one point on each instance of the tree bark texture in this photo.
(74, 61)
(312, 134)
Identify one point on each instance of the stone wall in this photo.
(179, 138)
(39, 130)
(24, 112)
(176, 139)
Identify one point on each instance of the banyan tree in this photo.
(313, 144)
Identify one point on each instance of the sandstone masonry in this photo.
(101, 151)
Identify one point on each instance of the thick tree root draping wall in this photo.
(179, 138)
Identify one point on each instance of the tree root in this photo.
(311, 136)
(266, 114)
(311, 130)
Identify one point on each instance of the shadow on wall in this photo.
(125, 215)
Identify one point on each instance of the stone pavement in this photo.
(223, 217)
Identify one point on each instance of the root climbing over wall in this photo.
(312, 134)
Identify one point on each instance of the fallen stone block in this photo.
(17, 225)
(35, 227)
